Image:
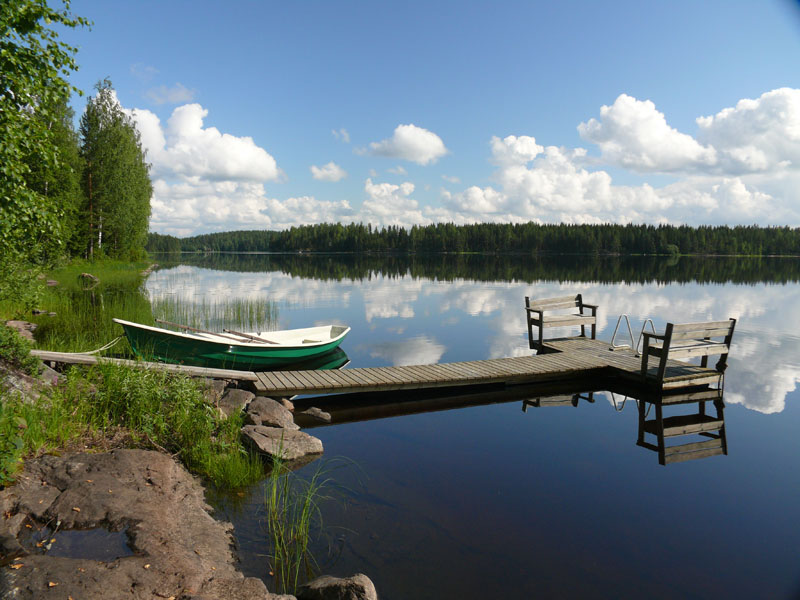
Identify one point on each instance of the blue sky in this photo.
(412, 112)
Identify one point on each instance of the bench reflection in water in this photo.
(687, 432)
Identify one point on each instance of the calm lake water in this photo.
(487, 500)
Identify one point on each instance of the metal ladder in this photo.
(635, 348)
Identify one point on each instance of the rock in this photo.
(179, 549)
(286, 403)
(357, 587)
(23, 328)
(14, 382)
(48, 375)
(149, 270)
(250, 588)
(88, 277)
(286, 444)
(213, 390)
(10, 548)
(266, 411)
(318, 414)
(234, 400)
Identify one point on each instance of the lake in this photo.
(485, 499)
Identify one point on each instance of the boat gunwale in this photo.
(245, 344)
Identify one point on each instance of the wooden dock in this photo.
(561, 360)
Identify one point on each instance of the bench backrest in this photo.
(706, 330)
(561, 302)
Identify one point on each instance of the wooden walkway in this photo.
(74, 358)
(562, 360)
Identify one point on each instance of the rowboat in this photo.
(232, 349)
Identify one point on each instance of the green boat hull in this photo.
(150, 344)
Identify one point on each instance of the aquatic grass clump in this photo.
(241, 314)
(294, 519)
(292, 510)
(84, 309)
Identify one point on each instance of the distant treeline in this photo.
(502, 267)
(521, 238)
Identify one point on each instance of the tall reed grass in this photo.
(240, 314)
(294, 520)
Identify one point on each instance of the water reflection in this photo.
(677, 426)
(414, 313)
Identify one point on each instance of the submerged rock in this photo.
(286, 444)
(357, 587)
(269, 412)
(317, 414)
(179, 548)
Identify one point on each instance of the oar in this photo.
(255, 338)
(227, 337)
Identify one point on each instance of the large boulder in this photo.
(178, 548)
(357, 587)
(284, 444)
(269, 412)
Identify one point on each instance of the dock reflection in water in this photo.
(688, 419)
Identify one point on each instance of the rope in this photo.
(106, 347)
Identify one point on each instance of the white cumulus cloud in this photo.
(185, 148)
(328, 172)
(390, 204)
(633, 134)
(411, 143)
(758, 135)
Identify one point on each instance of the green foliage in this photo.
(84, 311)
(15, 351)
(116, 180)
(20, 287)
(158, 409)
(34, 65)
(12, 441)
(497, 238)
(169, 411)
(292, 507)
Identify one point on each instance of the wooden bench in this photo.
(536, 310)
(688, 340)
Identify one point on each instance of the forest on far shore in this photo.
(518, 238)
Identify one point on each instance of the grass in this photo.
(292, 507)
(234, 313)
(142, 408)
(84, 313)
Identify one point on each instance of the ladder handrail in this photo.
(630, 333)
(641, 333)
